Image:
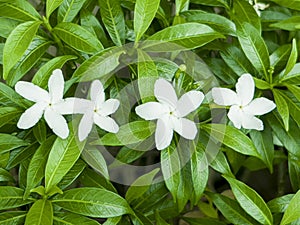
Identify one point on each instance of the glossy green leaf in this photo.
(144, 13)
(72, 219)
(159, 220)
(292, 59)
(19, 10)
(68, 10)
(62, 157)
(130, 133)
(289, 24)
(140, 185)
(11, 197)
(36, 169)
(77, 37)
(294, 171)
(261, 84)
(6, 27)
(294, 4)
(279, 57)
(113, 19)
(293, 210)
(10, 98)
(40, 213)
(280, 204)
(282, 108)
(9, 142)
(8, 114)
(250, 201)
(5, 176)
(51, 5)
(40, 131)
(93, 202)
(17, 43)
(220, 164)
(181, 36)
(16, 218)
(294, 107)
(254, 47)
(295, 90)
(203, 221)
(232, 138)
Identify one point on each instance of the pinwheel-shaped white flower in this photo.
(170, 113)
(50, 104)
(97, 111)
(243, 107)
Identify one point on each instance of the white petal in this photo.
(31, 116)
(251, 122)
(31, 92)
(224, 96)
(165, 93)
(73, 106)
(56, 86)
(260, 106)
(151, 110)
(57, 123)
(85, 125)
(108, 107)
(186, 128)
(245, 88)
(97, 93)
(106, 123)
(235, 115)
(189, 102)
(163, 134)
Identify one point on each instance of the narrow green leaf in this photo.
(40, 213)
(280, 204)
(93, 202)
(130, 133)
(11, 197)
(40, 131)
(5, 176)
(51, 5)
(9, 142)
(62, 157)
(6, 27)
(294, 107)
(9, 97)
(203, 221)
(220, 164)
(17, 43)
(19, 10)
(295, 90)
(15, 218)
(181, 36)
(293, 210)
(294, 171)
(232, 138)
(289, 24)
(113, 19)
(294, 73)
(250, 201)
(282, 108)
(292, 59)
(279, 57)
(8, 114)
(294, 4)
(68, 10)
(140, 185)
(144, 13)
(66, 218)
(77, 37)
(254, 48)
(261, 84)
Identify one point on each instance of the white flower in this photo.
(243, 107)
(50, 104)
(258, 6)
(170, 113)
(97, 111)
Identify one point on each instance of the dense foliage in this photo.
(230, 156)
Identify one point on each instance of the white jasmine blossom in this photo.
(258, 6)
(50, 104)
(170, 113)
(96, 111)
(243, 107)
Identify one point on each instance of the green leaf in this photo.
(8, 114)
(220, 164)
(17, 43)
(113, 19)
(32, 55)
(293, 210)
(295, 72)
(232, 138)
(144, 13)
(9, 142)
(40, 131)
(6, 27)
(68, 10)
(5, 176)
(15, 218)
(280, 204)
(9, 97)
(294, 108)
(292, 59)
(93, 202)
(19, 10)
(147, 75)
(294, 4)
(40, 213)
(94, 158)
(282, 108)
(140, 185)
(250, 201)
(99, 65)
(263, 141)
(130, 133)
(203, 221)
(66, 218)
(254, 48)
(261, 84)
(181, 36)
(294, 171)
(289, 24)
(77, 37)
(51, 5)
(215, 21)
(295, 90)
(126, 155)
(231, 210)
(159, 220)
(43, 74)
(11, 197)
(36, 169)
(62, 157)
(279, 57)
